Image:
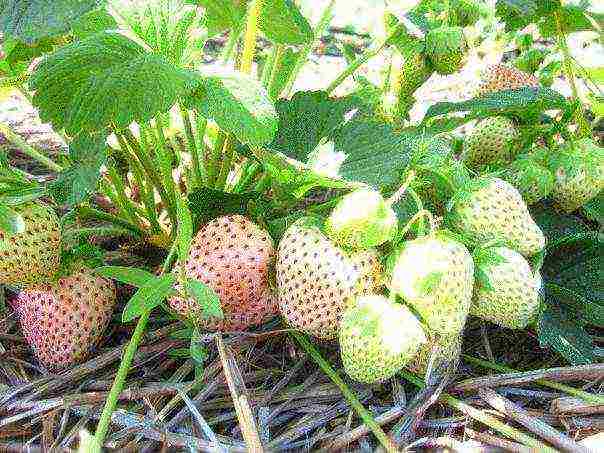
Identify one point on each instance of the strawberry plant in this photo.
(336, 213)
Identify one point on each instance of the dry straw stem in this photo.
(533, 424)
(495, 441)
(485, 418)
(565, 406)
(236, 385)
(348, 394)
(576, 373)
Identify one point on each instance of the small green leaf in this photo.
(197, 349)
(184, 233)
(93, 22)
(220, 15)
(128, 275)
(76, 183)
(149, 296)
(10, 221)
(182, 334)
(206, 298)
(482, 279)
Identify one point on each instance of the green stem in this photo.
(227, 51)
(267, 70)
(277, 61)
(249, 172)
(27, 149)
(197, 174)
(251, 31)
(150, 171)
(118, 383)
(348, 394)
(164, 157)
(319, 30)
(215, 159)
(583, 127)
(484, 418)
(581, 394)
(201, 124)
(227, 163)
(367, 55)
(147, 196)
(124, 204)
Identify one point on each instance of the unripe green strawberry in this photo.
(62, 321)
(436, 353)
(233, 256)
(491, 209)
(492, 141)
(378, 338)
(579, 171)
(316, 280)
(31, 256)
(533, 180)
(446, 48)
(410, 70)
(434, 274)
(500, 77)
(361, 220)
(506, 291)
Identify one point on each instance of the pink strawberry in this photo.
(233, 256)
(63, 320)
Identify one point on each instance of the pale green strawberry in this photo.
(436, 353)
(579, 171)
(316, 280)
(491, 210)
(434, 275)
(534, 181)
(362, 219)
(33, 255)
(446, 48)
(492, 141)
(378, 338)
(506, 290)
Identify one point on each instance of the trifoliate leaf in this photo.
(104, 80)
(207, 299)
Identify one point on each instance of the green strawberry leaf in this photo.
(32, 20)
(10, 221)
(517, 14)
(280, 74)
(73, 185)
(206, 298)
(504, 102)
(239, 105)
(149, 296)
(574, 292)
(306, 118)
(93, 22)
(573, 18)
(283, 23)
(105, 80)
(482, 279)
(594, 209)
(220, 15)
(554, 225)
(129, 275)
(184, 230)
(561, 329)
